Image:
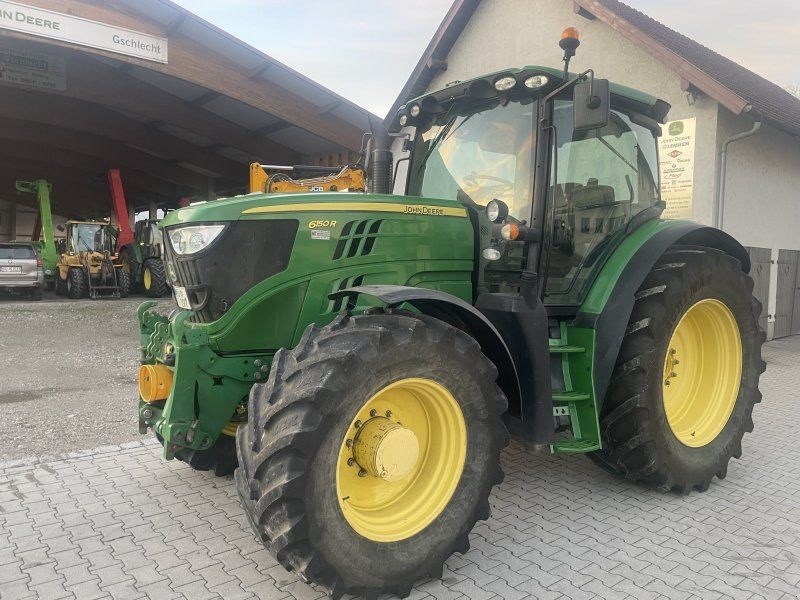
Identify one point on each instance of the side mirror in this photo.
(591, 104)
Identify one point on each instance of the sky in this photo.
(365, 51)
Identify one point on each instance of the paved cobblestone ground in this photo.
(120, 522)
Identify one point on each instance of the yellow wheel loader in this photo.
(88, 266)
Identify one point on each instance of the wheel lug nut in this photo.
(349, 443)
(673, 374)
(358, 424)
(389, 414)
(676, 362)
(666, 382)
(373, 412)
(362, 473)
(351, 462)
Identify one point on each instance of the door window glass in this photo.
(600, 179)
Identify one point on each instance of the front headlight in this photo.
(193, 238)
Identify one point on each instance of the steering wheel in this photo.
(506, 186)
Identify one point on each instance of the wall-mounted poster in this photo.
(676, 163)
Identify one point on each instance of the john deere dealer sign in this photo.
(676, 161)
(67, 28)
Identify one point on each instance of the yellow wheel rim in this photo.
(702, 372)
(147, 278)
(401, 460)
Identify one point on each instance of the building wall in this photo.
(516, 33)
(25, 218)
(762, 190)
(762, 197)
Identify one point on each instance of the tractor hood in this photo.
(252, 206)
(224, 253)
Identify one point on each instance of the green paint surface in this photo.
(611, 271)
(215, 364)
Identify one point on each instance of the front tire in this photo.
(76, 283)
(309, 469)
(123, 283)
(686, 378)
(154, 278)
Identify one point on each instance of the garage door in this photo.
(787, 309)
(760, 263)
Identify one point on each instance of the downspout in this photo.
(723, 164)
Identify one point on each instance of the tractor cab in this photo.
(146, 233)
(89, 236)
(596, 172)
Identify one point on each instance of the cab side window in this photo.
(599, 180)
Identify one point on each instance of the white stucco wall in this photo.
(516, 33)
(762, 190)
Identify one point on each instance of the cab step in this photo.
(575, 402)
(566, 349)
(575, 446)
(570, 396)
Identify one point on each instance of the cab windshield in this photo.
(485, 152)
(87, 237)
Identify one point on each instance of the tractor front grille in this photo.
(246, 253)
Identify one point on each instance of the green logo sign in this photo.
(676, 128)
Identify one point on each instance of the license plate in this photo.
(10, 269)
(182, 298)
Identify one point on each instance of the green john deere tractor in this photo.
(363, 356)
(141, 259)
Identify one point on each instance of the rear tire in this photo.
(290, 451)
(158, 278)
(76, 283)
(124, 283)
(639, 442)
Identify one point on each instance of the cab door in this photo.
(599, 180)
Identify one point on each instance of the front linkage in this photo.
(177, 361)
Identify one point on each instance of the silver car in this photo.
(21, 269)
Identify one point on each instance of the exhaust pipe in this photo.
(380, 164)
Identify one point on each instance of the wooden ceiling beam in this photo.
(81, 116)
(134, 187)
(33, 155)
(62, 139)
(93, 81)
(73, 194)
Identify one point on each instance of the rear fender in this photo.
(609, 304)
(456, 312)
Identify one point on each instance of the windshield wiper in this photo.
(615, 151)
(440, 136)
